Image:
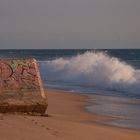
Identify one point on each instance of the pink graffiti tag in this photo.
(22, 75)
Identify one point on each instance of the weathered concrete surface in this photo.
(21, 88)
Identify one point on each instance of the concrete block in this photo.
(21, 88)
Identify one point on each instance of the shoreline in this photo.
(68, 120)
(84, 101)
(93, 101)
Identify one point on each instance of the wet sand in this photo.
(67, 121)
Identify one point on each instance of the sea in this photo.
(111, 77)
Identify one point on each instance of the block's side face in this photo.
(21, 88)
(39, 79)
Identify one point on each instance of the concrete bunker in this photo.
(21, 87)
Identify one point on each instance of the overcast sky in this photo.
(69, 24)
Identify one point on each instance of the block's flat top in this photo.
(19, 75)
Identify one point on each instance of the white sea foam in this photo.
(93, 69)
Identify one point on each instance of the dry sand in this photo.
(67, 121)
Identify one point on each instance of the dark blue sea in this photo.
(111, 77)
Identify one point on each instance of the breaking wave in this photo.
(93, 69)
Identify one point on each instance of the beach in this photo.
(67, 120)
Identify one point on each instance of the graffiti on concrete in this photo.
(18, 74)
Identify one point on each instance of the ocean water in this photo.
(112, 75)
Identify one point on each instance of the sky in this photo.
(69, 24)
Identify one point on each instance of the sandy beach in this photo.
(67, 120)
